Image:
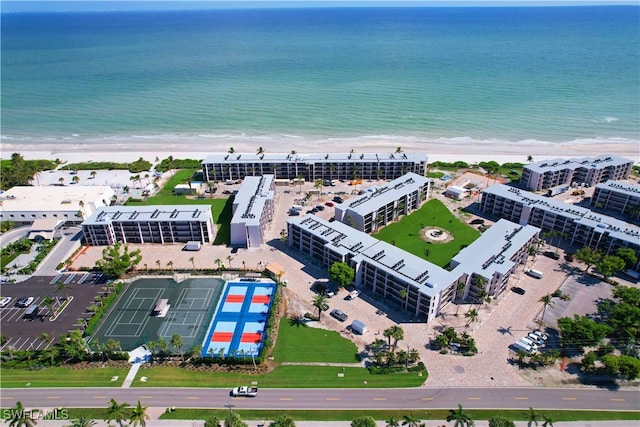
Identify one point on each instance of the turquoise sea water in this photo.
(506, 74)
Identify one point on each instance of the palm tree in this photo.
(170, 265)
(231, 150)
(398, 150)
(45, 338)
(300, 179)
(61, 286)
(532, 417)
(82, 421)
(548, 422)
(212, 422)
(117, 412)
(392, 422)
(260, 150)
(193, 263)
(472, 316)
(459, 417)
(75, 179)
(459, 289)
(20, 417)
(158, 263)
(529, 158)
(403, 294)
(139, 415)
(283, 421)
(546, 300)
(229, 258)
(218, 261)
(61, 180)
(177, 342)
(93, 174)
(411, 421)
(320, 302)
(388, 334)
(397, 333)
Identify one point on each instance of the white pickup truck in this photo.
(244, 391)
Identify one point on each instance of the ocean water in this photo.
(553, 74)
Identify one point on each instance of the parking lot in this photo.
(23, 333)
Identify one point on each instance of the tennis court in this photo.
(238, 328)
(191, 307)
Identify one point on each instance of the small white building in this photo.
(252, 211)
(456, 192)
(25, 204)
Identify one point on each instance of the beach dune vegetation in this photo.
(138, 166)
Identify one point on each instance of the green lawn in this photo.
(405, 233)
(221, 209)
(62, 377)
(300, 343)
(289, 376)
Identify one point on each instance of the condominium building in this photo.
(420, 287)
(585, 170)
(487, 263)
(580, 226)
(252, 211)
(618, 197)
(149, 224)
(380, 205)
(24, 204)
(310, 167)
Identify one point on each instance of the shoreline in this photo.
(463, 150)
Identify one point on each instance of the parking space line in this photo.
(473, 398)
(613, 399)
(379, 398)
(285, 398)
(568, 398)
(428, 398)
(99, 397)
(193, 397)
(53, 397)
(332, 398)
(521, 398)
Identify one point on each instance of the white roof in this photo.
(621, 187)
(313, 158)
(597, 162)
(153, 213)
(53, 198)
(381, 196)
(493, 251)
(251, 198)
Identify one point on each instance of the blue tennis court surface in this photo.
(239, 325)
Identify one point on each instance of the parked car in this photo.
(5, 301)
(518, 290)
(540, 335)
(293, 212)
(338, 314)
(569, 257)
(352, 295)
(319, 208)
(338, 199)
(330, 204)
(552, 255)
(25, 301)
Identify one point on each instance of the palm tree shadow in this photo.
(504, 330)
(298, 320)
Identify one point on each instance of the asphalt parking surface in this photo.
(24, 334)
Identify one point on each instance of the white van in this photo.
(358, 327)
(529, 342)
(522, 346)
(535, 273)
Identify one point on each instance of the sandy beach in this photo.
(465, 150)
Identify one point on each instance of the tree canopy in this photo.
(117, 260)
(341, 273)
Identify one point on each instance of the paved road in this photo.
(420, 398)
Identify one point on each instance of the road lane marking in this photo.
(617, 400)
(568, 398)
(193, 397)
(427, 398)
(379, 398)
(332, 398)
(285, 398)
(522, 398)
(6, 398)
(99, 397)
(473, 398)
(145, 397)
(53, 397)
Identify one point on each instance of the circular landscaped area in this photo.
(435, 235)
